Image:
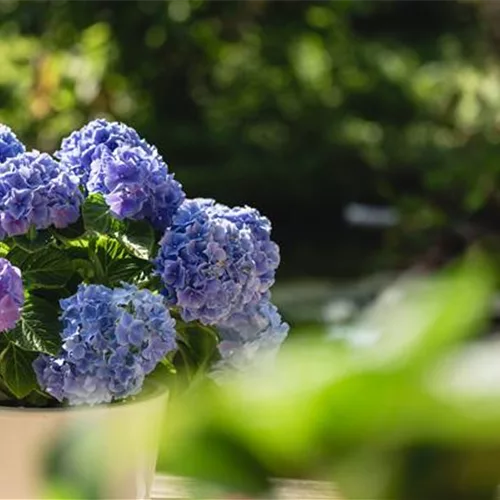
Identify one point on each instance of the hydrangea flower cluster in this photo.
(11, 295)
(36, 190)
(9, 144)
(111, 159)
(136, 185)
(214, 260)
(266, 251)
(112, 338)
(250, 336)
(82, 146)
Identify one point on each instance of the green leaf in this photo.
(110, 249)
(84, 268)
(201, 343)
(4, 249)
(77, 252)
(54, 295)
(33, 242)
(97, 217)
(139, 238)
(38, 399)
(17, 370)
(116, 264)
(130, 270)
(439, 312)
(222, 458)
(48, 269)
(162, 373)
(71, 232)
(39, 327)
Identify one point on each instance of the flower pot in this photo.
(106, 451)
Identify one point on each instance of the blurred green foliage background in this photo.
(298, 108)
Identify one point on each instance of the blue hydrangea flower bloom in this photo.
(11, 295)
(111, 340)
(267, 257)
(136, 185)
(82, 146)
(250, 337)
(36, 190)
(214, 260)
(10, 145)
(111, 158)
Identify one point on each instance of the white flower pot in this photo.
(110, 448)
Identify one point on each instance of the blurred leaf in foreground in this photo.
(357, 414)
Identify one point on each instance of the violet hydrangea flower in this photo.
(10, 145)
(214, 260)
(110, 158)
(111, 340)
(82, 146)
(11, 295)
(36, 190)
(250, 337)
(136, 185)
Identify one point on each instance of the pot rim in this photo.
(151, 390)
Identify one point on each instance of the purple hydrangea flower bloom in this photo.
(11, 295)
(9, 144)
(36, 190)
(79, 149)
(214, 260)
(111, 340)
(250, 337)
(136, 185)
(111, 158)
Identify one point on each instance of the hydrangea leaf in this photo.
(71, 232)
(97, 217)
(139, 239)
(17, 371)
(4, 249)
(50, 268)
(200, 343)
(30, 244)
(115, 263)
(38, 328)
(82, 265)
(128, 270)
(109, 249)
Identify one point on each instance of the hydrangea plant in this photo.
(110, 276)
